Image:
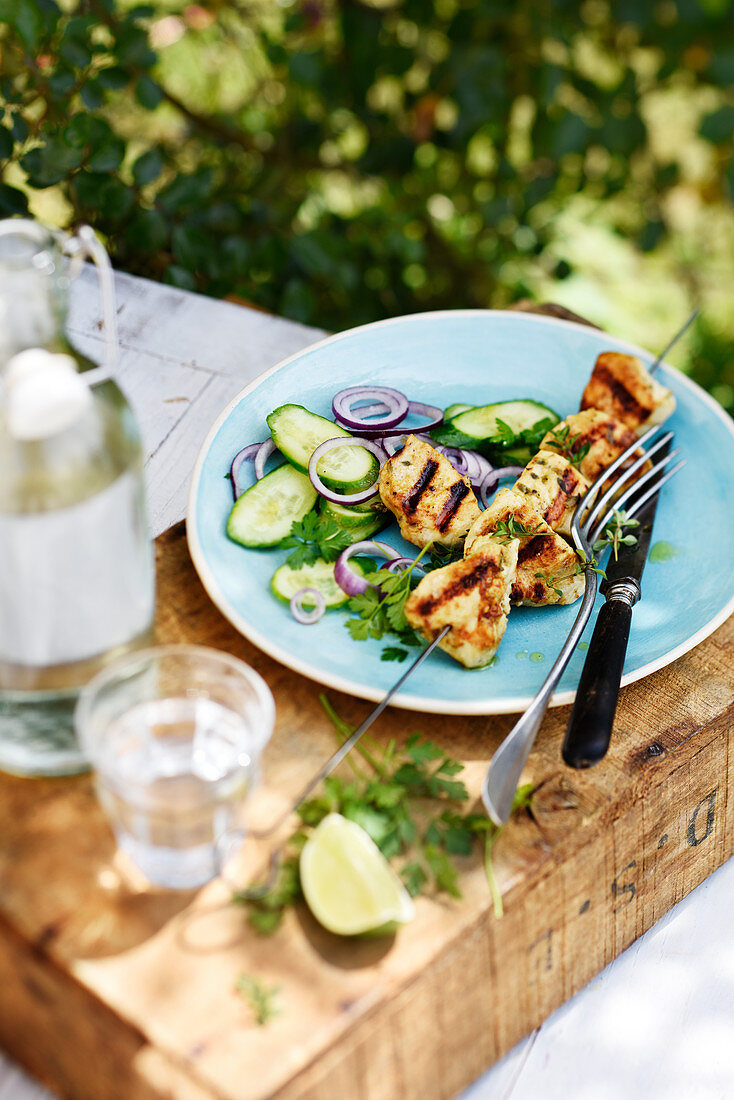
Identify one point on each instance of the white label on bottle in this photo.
(75, 582)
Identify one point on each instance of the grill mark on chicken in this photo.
(620, 393)
(517, 592)
(532, 548)
(456, 495)
(424, 480)
(462, 584)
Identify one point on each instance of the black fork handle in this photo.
(592, 717)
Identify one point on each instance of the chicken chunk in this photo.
(473, 596)
(557, 485)
(605, 435)
(547, 567)
(621, 385)
(432, 502)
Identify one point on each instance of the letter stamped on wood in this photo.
(694, 835)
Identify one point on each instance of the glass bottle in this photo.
(76, 567)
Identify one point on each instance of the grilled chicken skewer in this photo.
(514, 550)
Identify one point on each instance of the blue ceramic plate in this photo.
(477, 357)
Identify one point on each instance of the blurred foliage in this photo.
(338, 161)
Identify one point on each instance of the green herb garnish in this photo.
(394, 653)
(585, 565)
(565, 443)
(260, 997)
(380, 609)
(545, 577)
(615, 533)
(410, 802)
(313, 537)
(507, 530)
(440, 555)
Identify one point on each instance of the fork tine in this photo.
(588, 500)
(651, 475)
(599, 505)
(640, 503)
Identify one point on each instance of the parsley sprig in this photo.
(381, 609)
(314, 537)
(566, 444)
(410, 800)
(260, 997)
(616, 535)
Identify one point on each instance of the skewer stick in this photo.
(674, 341)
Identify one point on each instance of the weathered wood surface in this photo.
(111, 990)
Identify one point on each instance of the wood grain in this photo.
(111, 989)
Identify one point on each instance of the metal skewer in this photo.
(674, 341)
(335, 760)
(253, 893)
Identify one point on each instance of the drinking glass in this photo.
(175, 735)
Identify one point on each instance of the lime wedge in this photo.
(348, 884)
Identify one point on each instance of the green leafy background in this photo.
(339, 161)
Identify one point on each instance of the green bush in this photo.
(339, 161)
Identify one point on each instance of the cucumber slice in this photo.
(454, 410)
(265, 512)
(297, 433)
(512, 456)
(480, 430)
(351, 517)
(369, 528)
(286, 582)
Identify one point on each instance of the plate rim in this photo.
(402, 700)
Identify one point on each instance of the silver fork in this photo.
(592, 515)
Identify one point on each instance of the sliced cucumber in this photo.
(480, 429)
(369, 528)
(520, 417)
(265, 512)
(371, 506)
(351, 517)
(286, 581)
(297, 433)
(512, 456)
(454, 410)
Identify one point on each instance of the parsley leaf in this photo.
(314, 537)
(380, 609)
(394, 653)
(411, 802)
(504, 433)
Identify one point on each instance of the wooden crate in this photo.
(112, 991)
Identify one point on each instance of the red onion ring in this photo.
(392, 404)
(416, 408)
(400, 564)
(303, 615)
(343, 441)
(346, 578)
(266, 449)
(488, 486)
(392, 446)
(247, 454)
(468, 463)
